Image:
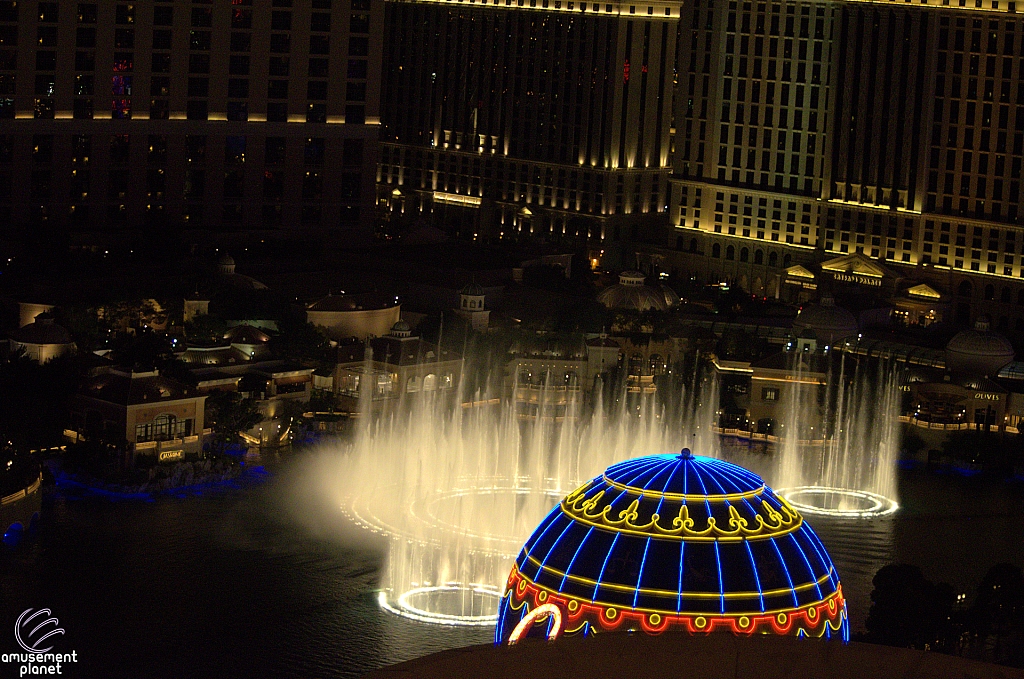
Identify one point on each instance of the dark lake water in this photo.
(232, 584)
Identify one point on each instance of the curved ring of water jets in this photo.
(426, 603)
(407, 606)
(844, 503)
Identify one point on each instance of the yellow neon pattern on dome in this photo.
(586, 511)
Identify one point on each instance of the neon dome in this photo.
(673, 543)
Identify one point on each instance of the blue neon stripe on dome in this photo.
(721, 584)
(679, 596)
(810, 571)
(568, 525)
(757, 578)
(538, 535)
(604, 566)
(640, 577)
(785, 569)
(823, 556)
(568, 568)
(739, 481)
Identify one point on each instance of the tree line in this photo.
(910, 611)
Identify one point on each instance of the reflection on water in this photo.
(230, 584)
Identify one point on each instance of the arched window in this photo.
(730, 252)
(1005, 296)
(679, 243)
(162, 428)
(430, 382)
(786, 261)
(990, 292)
(693, 245)
(636, 364)
(965, 289)
(447, 380)
(744, 255)
(412, 384)
(758, 257)
(716, 250)
(572, 379)
(524, 377)
(657, 364)
(773, 259)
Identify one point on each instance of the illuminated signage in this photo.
(854, 278)
(456, 199)
(171, 455)
(981, 396)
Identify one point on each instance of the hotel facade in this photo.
(249, 114)
(765, 135)
(542, 117)
(810, 132)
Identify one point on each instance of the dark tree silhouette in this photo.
(910, 611)
(228, 414)
(36, 399)
(205, 328)
(997, 616)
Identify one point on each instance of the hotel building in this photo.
(810, 132)
(543, 117)
(247, 114)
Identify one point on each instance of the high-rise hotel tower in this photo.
(549, 117)
(883, 139)
(226, 115)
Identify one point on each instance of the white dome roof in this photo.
(978, 351)
(671, 298)
(636, 298)
(828, 322)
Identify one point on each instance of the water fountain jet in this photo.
(455, 490)
(847, 468)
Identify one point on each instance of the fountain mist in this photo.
(456, 489)
(840, 440)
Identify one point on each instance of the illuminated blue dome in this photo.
(676, 542)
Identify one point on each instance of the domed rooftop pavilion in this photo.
(828, 322)
(631, 293)
(978, 352)
(673, 543)
(472, 288)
